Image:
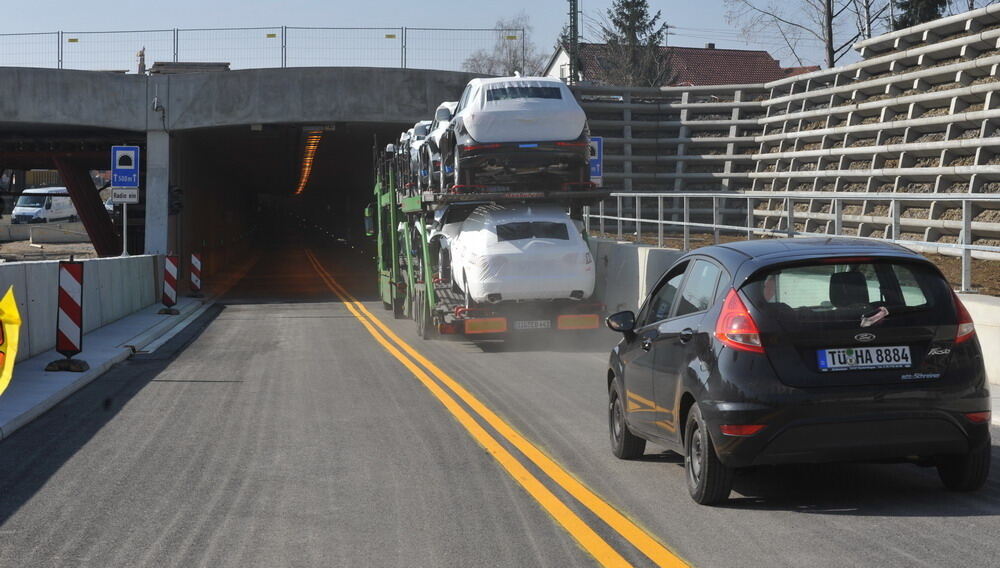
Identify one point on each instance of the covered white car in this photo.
(510, 129)
(417, 138)
(521, 253)
(430, 154)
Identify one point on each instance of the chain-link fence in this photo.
(279, 46)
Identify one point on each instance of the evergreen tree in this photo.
(913, 12)
(634, 37)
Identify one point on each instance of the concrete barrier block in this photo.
(15, 232)
(58, 233)
(43, 297)
(14, 274)
(653, 262)
(985, 312)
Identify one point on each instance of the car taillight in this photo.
(735, 326)
(573, 144)
(472, 147)
(741, 429)
(978, 417)
(966, 329)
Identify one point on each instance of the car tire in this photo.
(965, 472)
(469, 302)
(444, 265)
(709, 481)
(624, 444)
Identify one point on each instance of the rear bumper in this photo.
(846, 431)
(527, 157)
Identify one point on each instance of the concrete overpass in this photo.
(223, 139)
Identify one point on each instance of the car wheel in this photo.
(708, 480)
(444, 265)
(965, 472)
(469, 302)
(624, 444)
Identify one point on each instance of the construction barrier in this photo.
(69, 319)
(171, 268)
(10, 330)
(196, 275)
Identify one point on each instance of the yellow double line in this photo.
(560, 512)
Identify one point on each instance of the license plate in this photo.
(533, 324)
(860, 358)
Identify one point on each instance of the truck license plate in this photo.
(533, 324)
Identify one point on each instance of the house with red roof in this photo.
(689, 66)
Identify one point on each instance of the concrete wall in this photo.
(112, 289)
(14, 233)
(314, 95)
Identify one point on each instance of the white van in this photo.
(43, 205)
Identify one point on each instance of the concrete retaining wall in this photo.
(112, 288)
(14, 232)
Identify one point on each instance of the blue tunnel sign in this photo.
(125, 166)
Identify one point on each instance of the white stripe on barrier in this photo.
(171, 268)
(71, 286)
(195, 261)
(69, 328)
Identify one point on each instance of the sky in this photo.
(696, 22)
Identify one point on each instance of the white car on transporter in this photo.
(430, 154)
(517, 130)
(417, 138)
(521, 252)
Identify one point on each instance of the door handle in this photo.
(686, 335)
(647, 344)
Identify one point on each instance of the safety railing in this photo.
(265, 47)
(630, 213)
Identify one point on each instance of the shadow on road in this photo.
(599, 341)
(891, 490)
(33, 454)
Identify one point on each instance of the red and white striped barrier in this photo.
(170, 270)
(69, 319)
(195, 274)
(69, 325)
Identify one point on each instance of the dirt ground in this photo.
(17, 251)
(985, 273)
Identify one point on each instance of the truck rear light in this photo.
(741, 429)
(485, 325)
(463, 189)
(735, 326)
(473, 147)
(573, 144)
(978, 417)
(966, 329)
(578, 321)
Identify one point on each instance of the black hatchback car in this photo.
(801, 350)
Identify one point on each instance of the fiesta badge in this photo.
(865, 337)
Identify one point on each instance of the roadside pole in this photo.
(125, 183)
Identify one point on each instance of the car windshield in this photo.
(522, 92)
(30, 201)
(807, 295)
(532, 229)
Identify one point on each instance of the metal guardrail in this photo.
(656, 202)
(263, 47)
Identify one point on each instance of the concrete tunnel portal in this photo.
(222, 152)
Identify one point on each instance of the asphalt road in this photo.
(278, 431)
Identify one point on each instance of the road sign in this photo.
(597, 160)
(121, 196)
(124, 166)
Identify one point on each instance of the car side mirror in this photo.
(622, 322)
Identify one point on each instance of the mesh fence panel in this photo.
(452, 49)
(344, 47)
(242, 48)
(115, 51)
(29, 50)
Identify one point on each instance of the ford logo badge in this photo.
(865, 337)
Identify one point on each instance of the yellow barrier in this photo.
(10, 327)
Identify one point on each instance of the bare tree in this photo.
(513, 51)
(834, 24)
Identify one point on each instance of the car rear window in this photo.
(847, 291)
(522, 92)
(532, 229)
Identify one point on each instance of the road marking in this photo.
(574, 525)
(632, 532)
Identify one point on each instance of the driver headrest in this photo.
(848, 289)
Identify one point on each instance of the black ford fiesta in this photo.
(801, 350)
